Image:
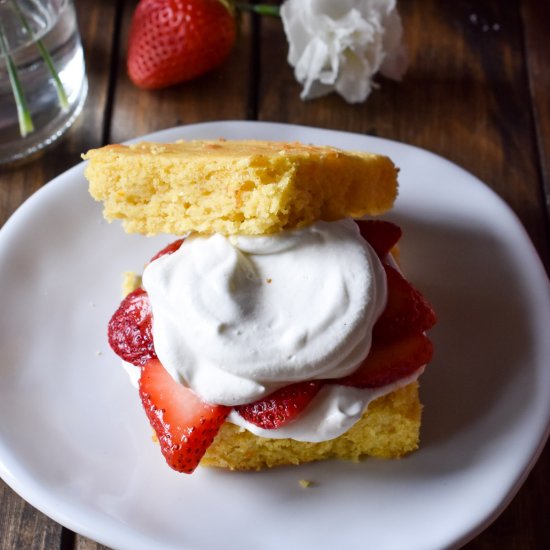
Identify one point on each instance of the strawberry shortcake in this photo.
(277, 327)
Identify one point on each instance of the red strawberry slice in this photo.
(185, 425)
(380, 234)
(406, 312)
(388, 362)
(280, 407)
(130, 329)
(170, 249)
(173, 41)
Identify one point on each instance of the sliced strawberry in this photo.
(130, 329)
(406, 312)
(170, 249)
(388, 362)
(380, 234)
(280, 407)
(185, 425)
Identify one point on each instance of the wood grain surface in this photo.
(477, 92)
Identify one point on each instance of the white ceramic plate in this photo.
(75, 443)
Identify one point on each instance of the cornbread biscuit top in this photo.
(236, 187)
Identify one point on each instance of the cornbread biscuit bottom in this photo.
(236, 187)
(388, 429)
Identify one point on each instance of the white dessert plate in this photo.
(75, 443)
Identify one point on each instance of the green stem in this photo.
(260, 9)
(62, 96)
(25, 121)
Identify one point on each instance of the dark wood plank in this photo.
(82, 543)
(22, 526)
(536, 18)
(219, 95)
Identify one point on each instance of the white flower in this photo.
(339, 45)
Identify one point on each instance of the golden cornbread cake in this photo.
(389, 428)
(236, 187)
(251, 188)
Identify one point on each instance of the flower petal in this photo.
(340, 46)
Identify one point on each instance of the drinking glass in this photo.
(43, 81)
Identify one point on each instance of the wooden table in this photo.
(477, 92)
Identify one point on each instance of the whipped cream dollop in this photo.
(236, 318)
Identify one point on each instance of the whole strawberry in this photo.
(172, 41)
